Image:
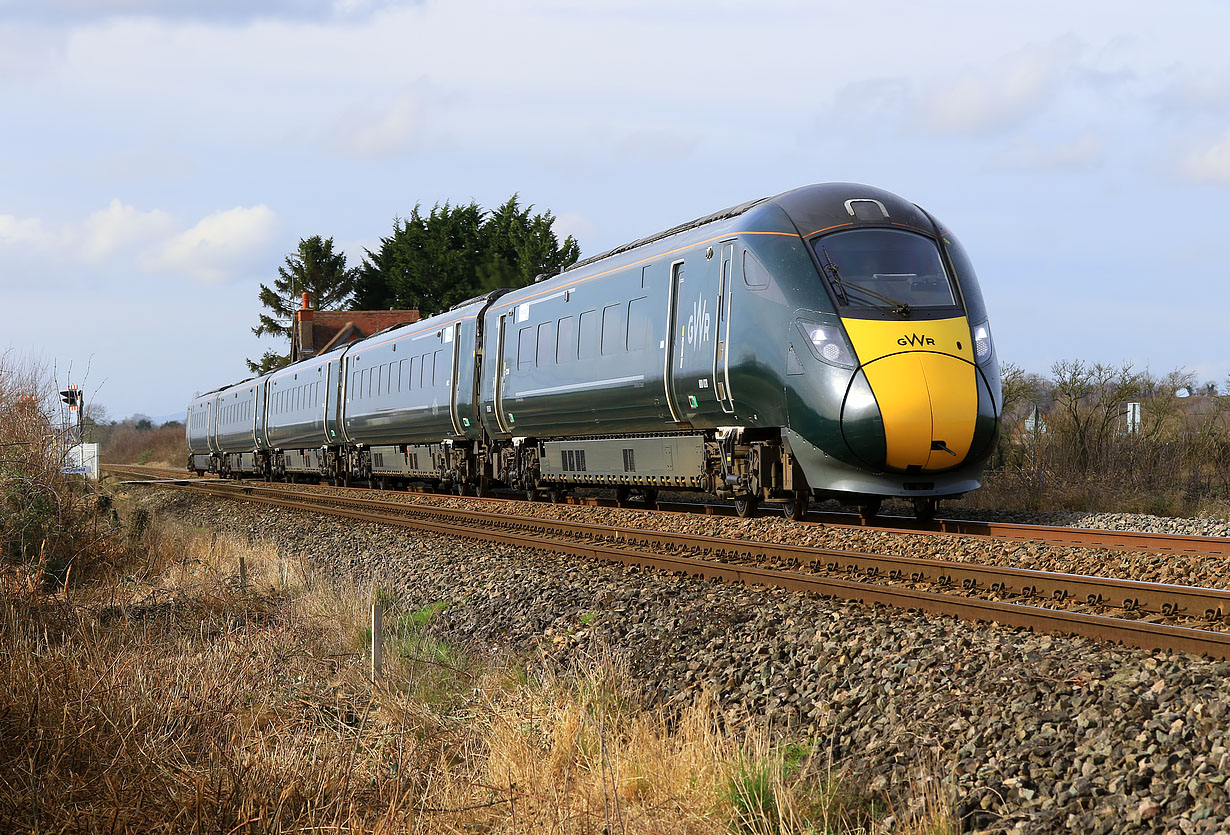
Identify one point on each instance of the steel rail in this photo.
(1130, 595)
(1165, 543)
(1138, 633)
(1082, 537)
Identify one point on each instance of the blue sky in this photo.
(161, 157)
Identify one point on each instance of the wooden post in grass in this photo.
(377, 638)
(243, 573)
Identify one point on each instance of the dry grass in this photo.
(165, 696)
(162, 446)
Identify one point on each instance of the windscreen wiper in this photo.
(896, 305)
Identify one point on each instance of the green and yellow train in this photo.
(829, 342)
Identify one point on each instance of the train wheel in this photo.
(796, 509)
(461, 488)
(746, 507)
(650, 497)
(869, 508)
(622, 494)
(924, 509)
(556, 496)
(484, 487)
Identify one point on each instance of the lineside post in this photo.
(377, 638)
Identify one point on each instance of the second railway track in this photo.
(1037, 599)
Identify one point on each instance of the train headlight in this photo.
(983, 349)
(828, 343)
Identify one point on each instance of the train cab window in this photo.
(754, 273)
(613, 334)
(589, 332)
(888, 269)
(566, 342)
(546, 344)
(525, 347)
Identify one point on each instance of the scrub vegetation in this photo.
(48, 522)
(1095, 437)
(158, 692)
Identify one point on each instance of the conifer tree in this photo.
(432, 262)
(314, 268)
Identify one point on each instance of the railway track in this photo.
(1035, 599)
(1162, 543)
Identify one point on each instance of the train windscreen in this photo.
(885, 269)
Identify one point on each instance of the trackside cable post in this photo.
(377, 638)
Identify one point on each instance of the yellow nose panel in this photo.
(926, 400)
(875, 338)
(923, 378)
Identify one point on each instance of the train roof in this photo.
(810, 208)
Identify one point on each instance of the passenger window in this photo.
(546, 344)
(638, 324)
(402, 382)
(421, 373)
(590, 332)
(754, 273)
(441, 373)
(613, 335)
(566, 344)
(525, 347)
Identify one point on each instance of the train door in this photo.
(258, 430)
(454, 410)
(693, 306)
(721, 350)
(502, 367)
(673, 346)
(211, 418)
(333, 398)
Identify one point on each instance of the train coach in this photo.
(831, 341)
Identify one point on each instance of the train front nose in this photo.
(912, 411)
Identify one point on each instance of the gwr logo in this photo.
(915, 340)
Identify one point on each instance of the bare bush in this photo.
(1071, 442)
(129, 444)
(47, 524)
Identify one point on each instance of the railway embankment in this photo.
(1024, 732)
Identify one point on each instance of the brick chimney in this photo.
(302, 344)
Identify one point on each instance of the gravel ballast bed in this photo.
(1180, 569)
(1037, 733)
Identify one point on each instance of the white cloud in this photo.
(984, 100)
(219, 246)
(1210, 163)
(1081, 153)
(28, 231)
(381, 133)
(120, 226)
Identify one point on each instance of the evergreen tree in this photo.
(454, 253)
(314, 268)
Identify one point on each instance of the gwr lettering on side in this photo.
(699, 323)
(915, 340)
